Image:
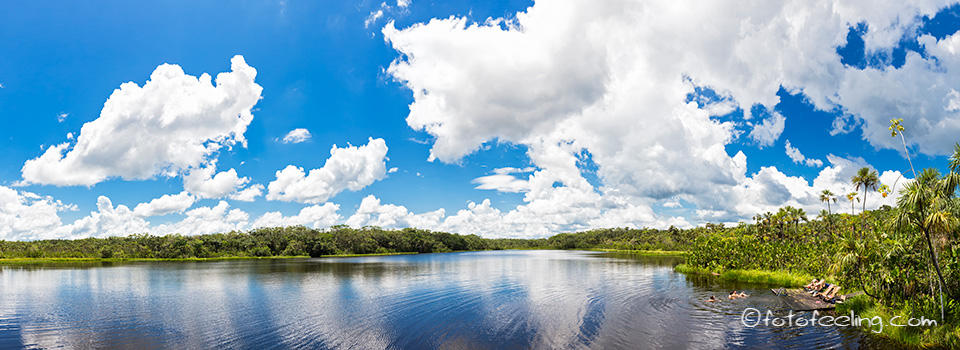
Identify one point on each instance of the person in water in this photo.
(712, 299)
(742, 294)
(733, 295)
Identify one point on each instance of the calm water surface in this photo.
(475, 300)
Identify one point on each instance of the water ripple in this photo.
(503, 300)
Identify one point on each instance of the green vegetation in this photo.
(678, 253)
(782, 278)
(265, 242)
(945, 335)
(299, 241)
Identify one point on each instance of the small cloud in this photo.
(372, 18)
(510, 170)
(843, 125)
(385, 11)
(672, 204)
(502, 183)
(69, 136)
(768, 131)
(249, 194)
(392, 170)
(423, 142)
(1, 86)
(297, 135)
(953, 101)
(798, 157)
(62, 116)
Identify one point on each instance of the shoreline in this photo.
(40, 261)
(676, 253)
(861, 305)
(784, 278)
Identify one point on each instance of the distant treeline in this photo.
(337, 240)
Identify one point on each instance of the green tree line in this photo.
(337, 240)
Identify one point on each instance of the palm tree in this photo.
(768, 219)
(798, 214)
(850, 197)
(827, 196)
(897, 129)
(953, 178)
(867, 179)
(924, 204)
(852, 254)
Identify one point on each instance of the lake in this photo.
(471, 300)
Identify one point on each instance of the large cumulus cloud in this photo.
(612, 79)
(173, 122)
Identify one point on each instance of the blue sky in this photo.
(515, 119)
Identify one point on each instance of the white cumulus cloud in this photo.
(207, 183)
(768, 131)
(606, 81)
(165, 204)
(248, 194)
(349, 168)
(297, 135)
(798, 157)
(372, 213)
(26, 215)
(205, 220)
(316, 216)
(173, 122)
(105, 222)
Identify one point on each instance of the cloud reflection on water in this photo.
(513, 299)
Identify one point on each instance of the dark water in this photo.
(476, 300)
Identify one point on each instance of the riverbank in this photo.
(362, 255)
(678, 253)
(782, 278)
(37, 261)
(942, 335)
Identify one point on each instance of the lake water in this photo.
(473, 300)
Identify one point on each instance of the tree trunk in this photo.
(864, 210)
(862, 286)
(936, 265)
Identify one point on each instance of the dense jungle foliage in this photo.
(337, 240)
(263, 242)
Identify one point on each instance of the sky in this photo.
(501, 119)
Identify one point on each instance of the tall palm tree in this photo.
(953, 178)
(867, 179)
(800, 214)
(850, 197)
(924, 204)
(897, 129)
(827, 196)
(768, 219)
